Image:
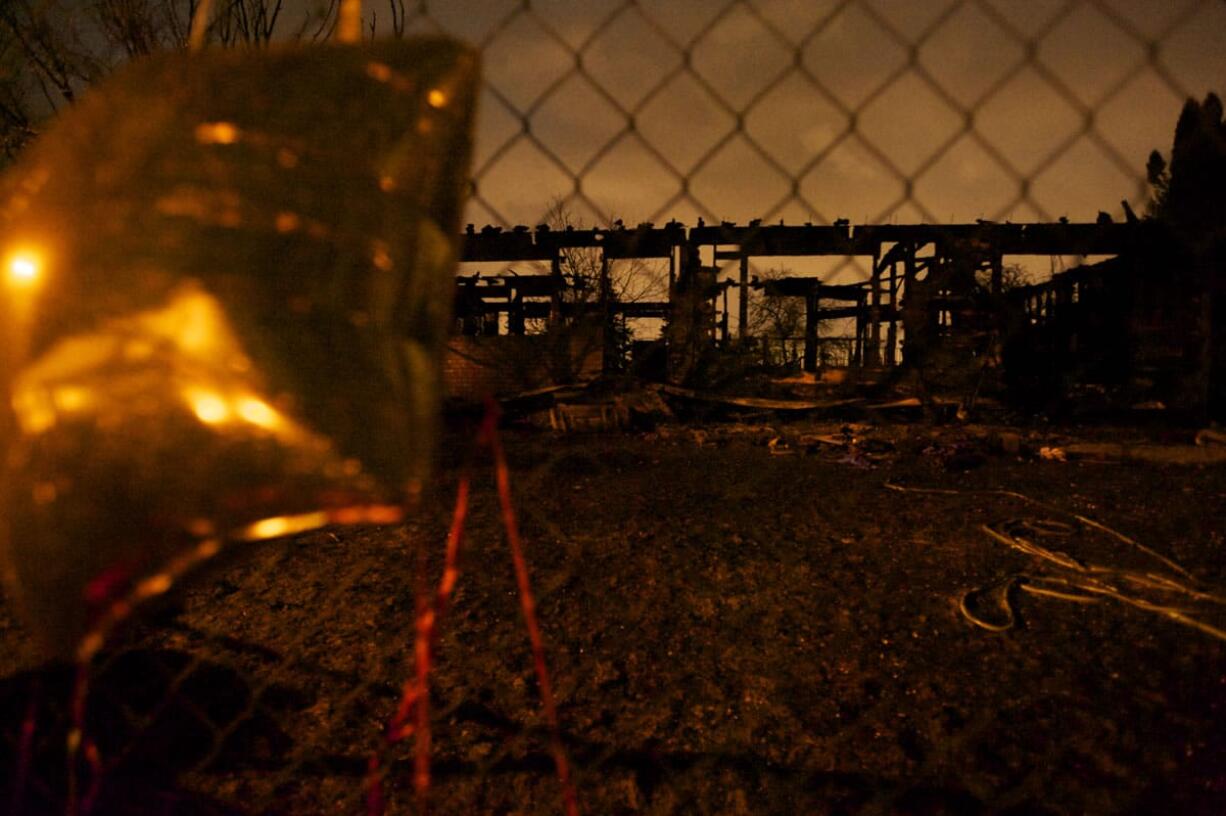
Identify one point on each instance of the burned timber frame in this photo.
(917, 273)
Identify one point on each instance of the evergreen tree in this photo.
(1190, 190)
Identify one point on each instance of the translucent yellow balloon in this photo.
(227, 281)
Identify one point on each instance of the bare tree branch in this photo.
(327, 22)
(398, 18)
(39, 43)
(57, 48)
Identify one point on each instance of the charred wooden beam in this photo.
(763, 241)
(799, 286)
(812, 307)
(646, 241)
(654, 308)
(743, 303)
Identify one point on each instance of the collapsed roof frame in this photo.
(895, 250)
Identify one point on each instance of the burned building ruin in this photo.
(934, 303)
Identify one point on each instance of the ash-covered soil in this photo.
(739, 619)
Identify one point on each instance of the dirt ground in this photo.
(740, 618)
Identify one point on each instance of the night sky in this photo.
(943, 94)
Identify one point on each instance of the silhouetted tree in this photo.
(571, 342)
(778, 322)
(1159, 180)
(1189, 194)
(628, 281)
(1189, 191)
(51, 50)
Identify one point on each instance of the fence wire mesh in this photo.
(818, 111)
(266, 684)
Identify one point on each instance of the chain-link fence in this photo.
(799, 113)
(871, 111)
(267, 685)
(765, 110)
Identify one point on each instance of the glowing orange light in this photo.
(217, 133)
(154, 585)
(378, 71)
(287, 222)
(24, 268)
(200, 528)
(90, 645)
(209, 408)
(278, 526)
(385, 514)
(258, 412)
(436, 98)
(71, 398)
(270, 527)
(382, 258)
(35, 410)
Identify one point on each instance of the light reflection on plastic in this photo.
(217, 133)
(209, 407)
(287, 222)
(154, 585)
(34, 409)
(378, 71)
(382, 257)
(214, 408)
(71, 398)
(258, 412)
(193, 320)
(24, 268)
(278, 526)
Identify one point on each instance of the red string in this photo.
(412, 715)
(528, 606)
(79, 743)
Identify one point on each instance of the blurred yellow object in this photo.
(236, 332)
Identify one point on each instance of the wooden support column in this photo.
(857, 354)
(891, 334)
(874, 355)
(515, 315)
(608, 328)
(910, 272)
(998, 273)
(672, 270)
(686, 328)
(555, 296)
(742, 331)
(812, 304)
(724, 321)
